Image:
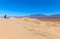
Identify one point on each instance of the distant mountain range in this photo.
(45, 16)
(39, 16)
(55, 17)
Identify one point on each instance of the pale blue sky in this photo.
(28, 7)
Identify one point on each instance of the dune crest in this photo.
(42, 23)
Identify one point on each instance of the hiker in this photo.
(4, 16)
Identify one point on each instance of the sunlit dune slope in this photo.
(28, 28)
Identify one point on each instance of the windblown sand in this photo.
(28, 28)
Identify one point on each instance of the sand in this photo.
(28, 28)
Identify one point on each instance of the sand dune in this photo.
(28, 28)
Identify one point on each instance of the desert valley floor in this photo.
(28, 28)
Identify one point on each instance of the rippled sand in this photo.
(28, 28)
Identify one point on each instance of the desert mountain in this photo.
(42, 15)
(55, 15)
(37, 16)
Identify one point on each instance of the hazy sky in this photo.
(27, 7)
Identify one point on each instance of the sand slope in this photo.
(28, 28)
